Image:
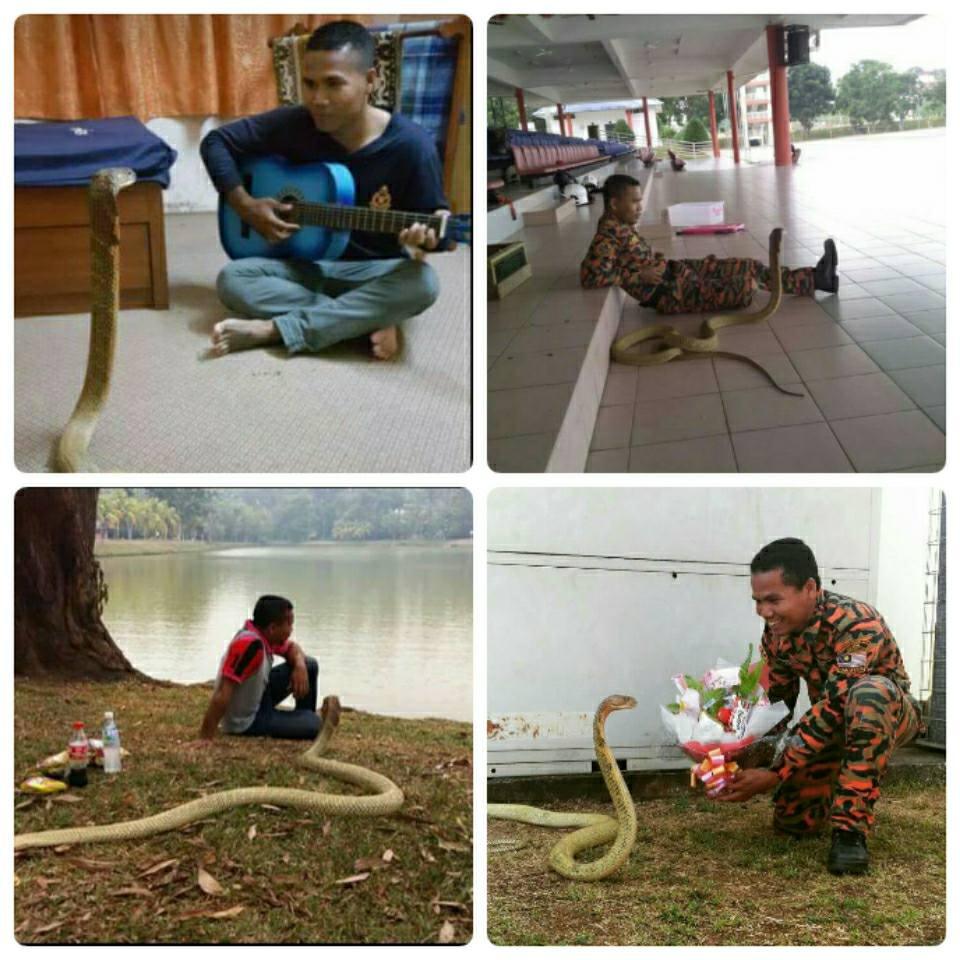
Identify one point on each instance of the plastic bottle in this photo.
(111, 744)
(78, 753)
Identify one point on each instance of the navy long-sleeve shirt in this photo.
(401, 167)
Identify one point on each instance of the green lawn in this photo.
(284, 876)
(706, 873)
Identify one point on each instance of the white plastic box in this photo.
(695, 214)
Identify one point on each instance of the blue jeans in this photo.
(301, 723)
(317, 304)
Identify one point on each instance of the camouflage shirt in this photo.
(615, 252)
(845, 640)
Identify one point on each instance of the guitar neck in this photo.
(336, 217)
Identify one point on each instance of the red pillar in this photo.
(713, 125)
(522, 107)
(646, 122)
(779, 98)
(561, 120)
(629, 118)
(733, 117)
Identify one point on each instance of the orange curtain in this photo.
(73, 66)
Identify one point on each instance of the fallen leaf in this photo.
(427, 855)
(50, 926)
(29, 802)
(207, 883)
(270, 806)
(351, 880)
(66, 798)
(455, 847)
(223, 914)
(62, 848)
(447, 932)
(252, 832)
(451, 904)
(368, 864)
(325, 829)
(388, 856)
(134, 891)
(157, 867)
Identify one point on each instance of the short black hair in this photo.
(617, 185)
(792, 557)
(341, 34)
(270, 609)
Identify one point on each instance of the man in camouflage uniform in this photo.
(620, 256)
(833, 760)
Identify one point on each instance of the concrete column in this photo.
(713, 125)
(522, 107)
(646, 123)
(779, 97)
(734, 131)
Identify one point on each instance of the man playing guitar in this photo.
(381, 279)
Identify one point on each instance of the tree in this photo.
(694, 132)
(908, 94)
(867, 93)
(935, 96)
(59, 590)
(811, 92)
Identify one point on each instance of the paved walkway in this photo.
(871, 359)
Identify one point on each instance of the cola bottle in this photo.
(78, 754)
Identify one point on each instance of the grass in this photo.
(284, 881)
(703, 873)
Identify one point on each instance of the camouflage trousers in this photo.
(843, 783)
(715, 284)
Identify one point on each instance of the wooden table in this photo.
(52, 249)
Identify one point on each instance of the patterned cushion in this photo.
(288, 56)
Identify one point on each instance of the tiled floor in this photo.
(870, 361)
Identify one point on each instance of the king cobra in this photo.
(385, 797)
(675, 346)
(105, 187)
(598, 828)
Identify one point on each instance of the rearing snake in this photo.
(597, 828)
(675, 345)
(384, 797)
(105, 187)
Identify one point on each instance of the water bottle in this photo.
(78, 754)
(111, 744)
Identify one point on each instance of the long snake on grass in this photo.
(676, 346)
(598, 829)
(105, 187)
(384, 798)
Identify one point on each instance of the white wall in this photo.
(190, 189)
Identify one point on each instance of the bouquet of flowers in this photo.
(719, 715)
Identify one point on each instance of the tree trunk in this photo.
(59, 590)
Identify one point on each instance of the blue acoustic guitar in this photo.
(322, 196)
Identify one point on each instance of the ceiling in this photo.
(586, 57)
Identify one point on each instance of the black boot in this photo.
(825, 272)
(848, 853)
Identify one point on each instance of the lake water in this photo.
(390, 624)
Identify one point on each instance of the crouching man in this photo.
(248, 686)
(833, 761)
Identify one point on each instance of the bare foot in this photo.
(385, 343)
(231, 335)
(330, 711)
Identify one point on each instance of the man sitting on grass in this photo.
(248, 686)
(620, 257)
(831, 764)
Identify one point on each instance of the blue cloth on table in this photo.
(70, 153)
(428, 66)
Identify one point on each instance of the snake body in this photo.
(676, 346)
(105, 187)
(384, 798)
(597, 829)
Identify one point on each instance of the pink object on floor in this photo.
(711, 228)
